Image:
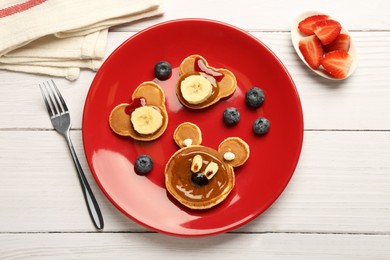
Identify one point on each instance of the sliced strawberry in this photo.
(342, 42)
(327, 30)
(306, 25)
(311, 49)
(337, 63)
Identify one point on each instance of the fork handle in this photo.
(93, 207)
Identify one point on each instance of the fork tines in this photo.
(55, 104)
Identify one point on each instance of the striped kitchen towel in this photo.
(57, 37)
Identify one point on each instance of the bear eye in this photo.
(197, 162)
(211, 170)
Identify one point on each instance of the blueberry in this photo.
(162, 70)
(261, 126)
(199, 179)
(231, 116)
(254, 97)
(143, 164)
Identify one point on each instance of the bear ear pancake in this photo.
(120, 121)
(151, 92)
(238, 147)
(188, 64)
(228, 84)
(187, 131)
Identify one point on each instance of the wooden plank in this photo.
(228, 246)
(261, 15)
(341, 185)
(361, 102)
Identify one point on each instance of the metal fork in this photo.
(60, 119)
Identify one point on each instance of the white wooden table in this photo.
(337, 205)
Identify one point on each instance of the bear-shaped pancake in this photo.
(145, 118)
(200, 177)
(201, 85)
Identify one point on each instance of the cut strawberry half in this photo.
(327, 30)
(342, 42)
(337, 63)
(311, 49)
(306, 25)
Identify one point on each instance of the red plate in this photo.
(273, 157)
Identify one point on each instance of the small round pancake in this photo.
(119, 120)
(238, 147)
(186, 131)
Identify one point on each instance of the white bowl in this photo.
(296, 36)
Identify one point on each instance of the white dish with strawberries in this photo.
(324, 45)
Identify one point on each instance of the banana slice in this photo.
(146, 120)
(196, 89)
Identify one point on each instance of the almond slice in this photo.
(211, 170)
(197, 162)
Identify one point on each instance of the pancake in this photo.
(146, 94)
(214, 166)
(223, 81)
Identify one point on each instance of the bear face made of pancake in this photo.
(145, 118)
(201, 85)
(200, 177)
